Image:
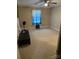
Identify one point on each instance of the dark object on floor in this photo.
(37, 26)
(24, 38)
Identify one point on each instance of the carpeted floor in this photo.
(43, 45)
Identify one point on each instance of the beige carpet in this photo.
(43, 45)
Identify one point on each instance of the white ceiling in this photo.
(31, 3)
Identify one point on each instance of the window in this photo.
(36, 17)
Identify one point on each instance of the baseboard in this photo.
(57, 30)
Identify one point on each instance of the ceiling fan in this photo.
(45, 3)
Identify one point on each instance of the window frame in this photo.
(36, 17)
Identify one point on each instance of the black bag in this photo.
(24, 38)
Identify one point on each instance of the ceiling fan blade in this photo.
(38, 2)
(42, 3)
(54, 3)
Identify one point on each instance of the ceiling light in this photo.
(46, 4)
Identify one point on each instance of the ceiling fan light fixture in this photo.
(46, 4)
(48, 1)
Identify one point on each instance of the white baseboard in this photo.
(57, 30)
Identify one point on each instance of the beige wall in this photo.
(56, 18)
(25, 13)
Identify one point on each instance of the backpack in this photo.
(24, 38)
